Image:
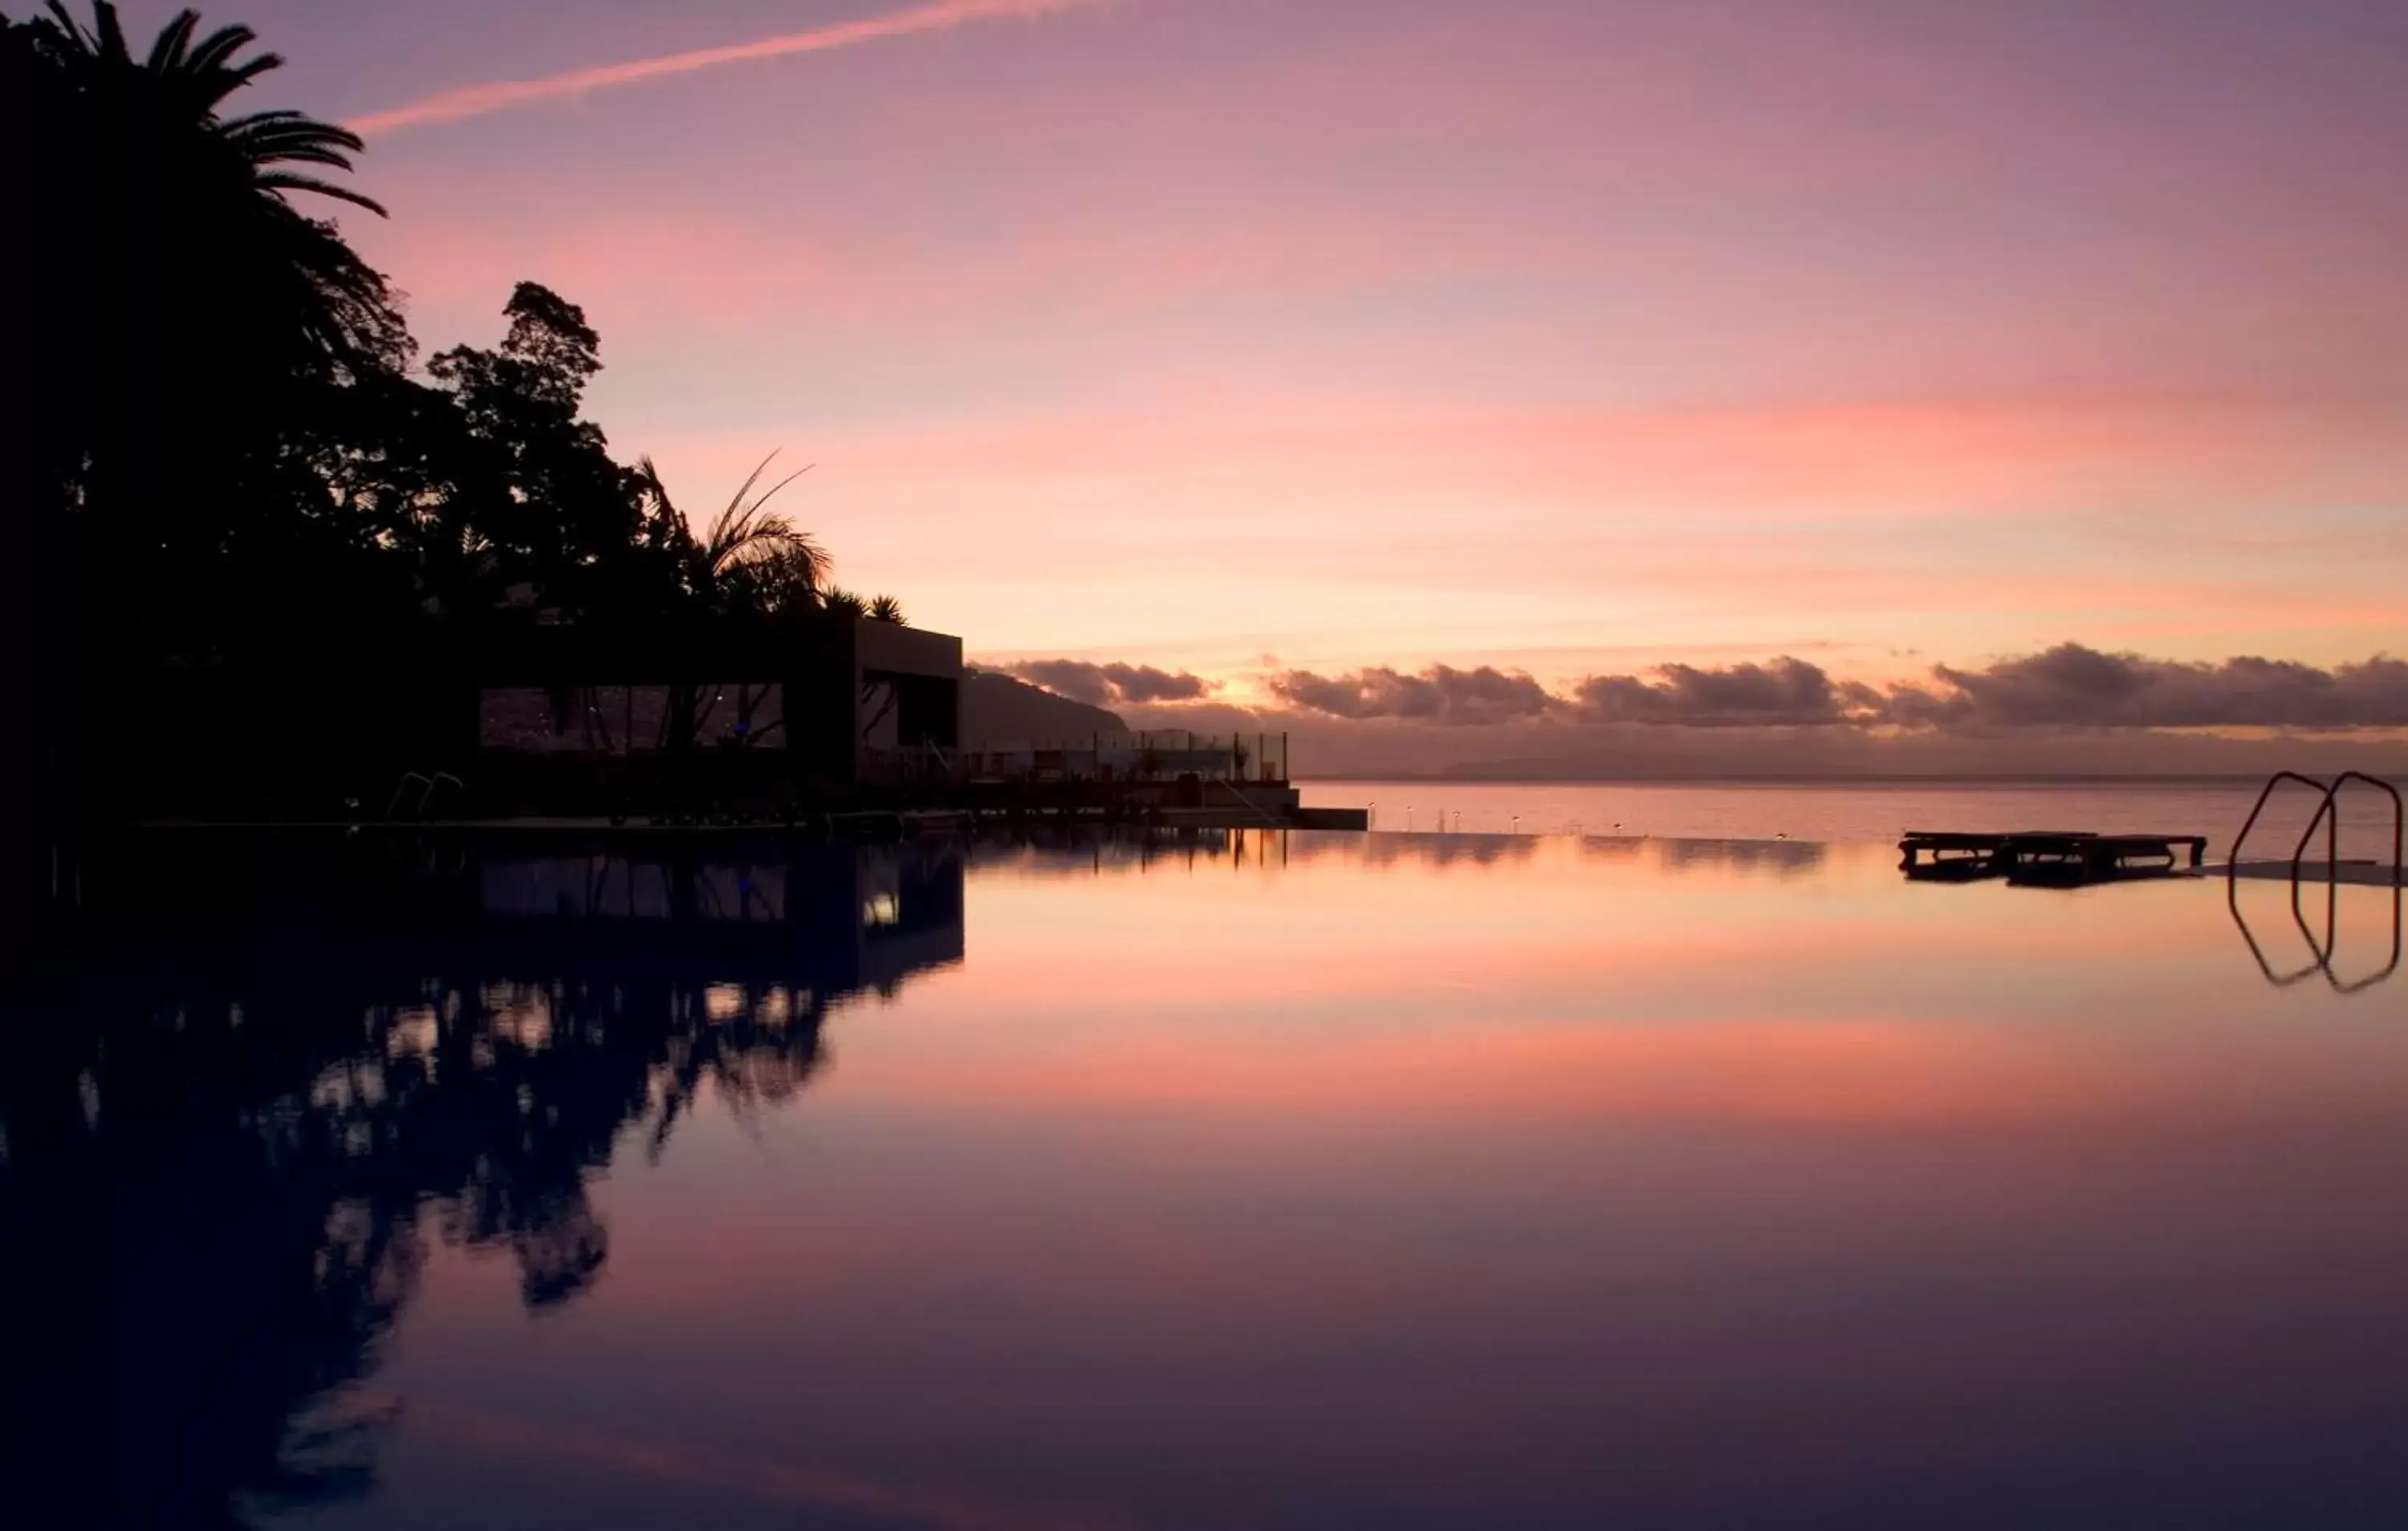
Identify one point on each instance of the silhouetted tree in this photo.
(198, 338)
(751, 563)
(749, 570)
(251, 501)
(843, 603)
(188, 300)
(552, 521)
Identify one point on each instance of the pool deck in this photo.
(2358, 873)
(2066, 856)
(2045, 855)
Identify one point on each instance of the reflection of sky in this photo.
(1471, 331)
(1865, 813)
(1572, 1186)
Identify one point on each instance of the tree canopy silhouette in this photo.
(194, 326)
(247, 474)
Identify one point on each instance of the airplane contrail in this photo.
(499, 95)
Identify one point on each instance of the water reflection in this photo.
(2316, 911)
(1065, 851)
(1783, 858)
(226, 1152)
(1245, 1179)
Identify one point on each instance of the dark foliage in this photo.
(252, 501)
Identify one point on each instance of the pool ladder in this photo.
(428, 787)
(2328, 817)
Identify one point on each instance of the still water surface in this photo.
(1249, 1182)
(1859, 812)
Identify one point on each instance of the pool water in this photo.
(1872, 812)
(1236, 1180)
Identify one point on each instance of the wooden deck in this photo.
(2059, 856)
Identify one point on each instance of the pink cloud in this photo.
(1378, 333)
(1383, 531)
(499, 95)
(690, 272)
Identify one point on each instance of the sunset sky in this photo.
(1564, 336)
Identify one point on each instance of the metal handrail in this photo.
(2327, 814)
(393, 805)
(2232, 857)
(2328, 817)
(427, 786)
(2280, 981)
(2326, 949)
(2320, 952)
(2332, 942)
(2389, 968)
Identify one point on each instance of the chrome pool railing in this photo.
(2328, 817)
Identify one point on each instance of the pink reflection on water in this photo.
(1365, 1185)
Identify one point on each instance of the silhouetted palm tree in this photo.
(843, 603)
(215, 189)
(192, 79)
(887, 609)
(195, 334)
(749, 563)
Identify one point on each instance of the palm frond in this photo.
(112, 48)
(103, 40)
(280, 126)
(650, 477)
(167, 49)
(252, 120)
(232, 79)
(68, 24)
(843, 603)
(219, 48)
(278, 180)
(282, 141)
(727, 529)
(792, 574)
(744, 529)
(736, 505)
(298, 154)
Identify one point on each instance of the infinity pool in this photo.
(1244, 1181)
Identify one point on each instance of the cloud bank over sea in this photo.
(2067, 709)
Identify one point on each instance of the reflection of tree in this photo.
(1047, 850)
(1783, 858)
(1075, 850)
(217, 1193)
(182, 1292)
